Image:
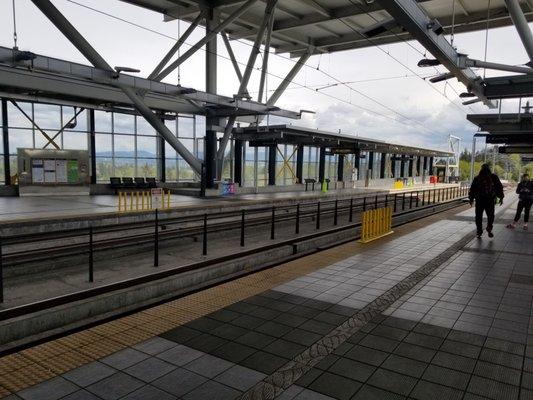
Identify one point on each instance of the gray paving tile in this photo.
(150, 369)
(51, 389)
(208, 366)
(79, 395)
(334, 386)
(404, 365)
(179, 382)
(180, 355)
(213, 391)
(429, 391)
(290, 393)
(366, 355)
(446, 377)
(89, 373)
(124, 358)
(154, 345)
(368, 392)
(392, 381)
(492, 389)
(240, 378)
(307, 394)
(352, 369)
(149, 392)
(115, 386)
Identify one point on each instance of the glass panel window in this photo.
(124, 146)
(146, 167)
(75, 140)
(123, 123)
(102, 121)
(171, 170)
(124, 167)
(185, 171)
(80, 121)
(186, 127)
(143, 127)
(47, 116)
(146, 147)
(22, 138)
(103, 144)
(104, 168)
(16, 118)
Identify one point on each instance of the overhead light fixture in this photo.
(467, 103)
(442, 77)
(465, 95)
(428, 62)
(127, 69)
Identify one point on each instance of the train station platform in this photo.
(71, 209)
(430, 312)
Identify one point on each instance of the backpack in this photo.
(486, 187)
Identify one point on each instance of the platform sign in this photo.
(61, 171)
(157, 198)
(72, 171)
(37, 171)
(49, 171)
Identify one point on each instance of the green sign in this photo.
(72, 171)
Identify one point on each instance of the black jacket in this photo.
(476, 191)
(525, 191)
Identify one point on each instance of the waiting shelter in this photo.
(306, 154)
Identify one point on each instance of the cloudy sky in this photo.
(384, 99)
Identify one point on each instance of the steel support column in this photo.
(272, 150)
(162, 158)
(393, 166)
(371, 162)
(411, 166)
(383, 165)
(243, 87)
(211, 87)
(300, 163)
(358, 163)
(92, 140)
(264, 68)
(239, 147)
(322, 164)
(340, 168)
(431, 160)
(5, 137)
(61, 23)
(418, 165)
(402, 167)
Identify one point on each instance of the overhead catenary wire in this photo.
(269, 73)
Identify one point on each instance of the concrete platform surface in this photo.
(429, 313)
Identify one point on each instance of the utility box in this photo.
(48, 172)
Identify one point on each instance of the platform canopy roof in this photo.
(325, 26)
(513, 131)
(334, 142)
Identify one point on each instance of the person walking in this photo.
(486, 188)
(525, 199)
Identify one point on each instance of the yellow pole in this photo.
(168, 198)
(119, 201)
(131, 201)
(136, 201)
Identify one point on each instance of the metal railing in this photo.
(84, 240)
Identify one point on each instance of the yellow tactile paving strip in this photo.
(39, 363)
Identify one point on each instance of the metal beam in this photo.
(288, 79)
(520, 22)
(231, 55)
(413, 18)
(266, 53)
(164, 61)
(508, 87)
(497, 66)
(207, 38)
(55, 16)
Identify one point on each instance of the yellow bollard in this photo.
(131, 200)
(168, 199)
(136, 201)
(119, 201)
